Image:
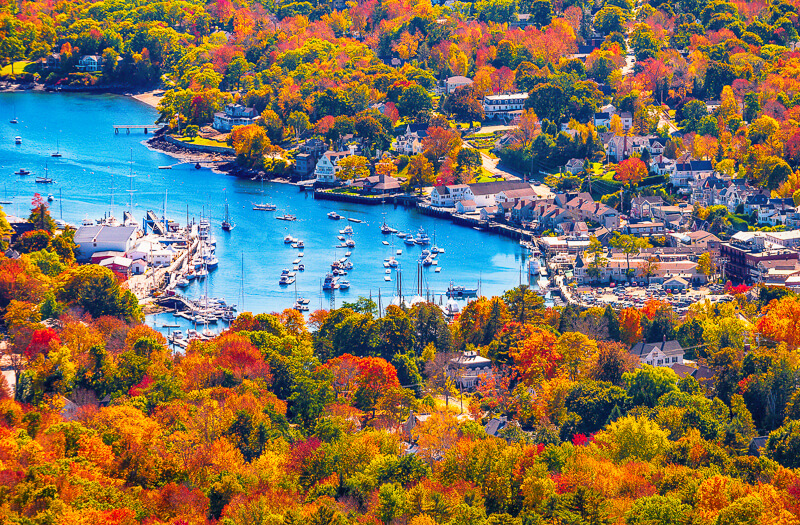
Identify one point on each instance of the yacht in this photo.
(410, 240)
(265, 207)
(201, 274)
(44, 180)
(348, 230)
(284, 280)
(350, 243)
(211, 262)
(422, 237)
(22, 171)
(183, 282)
(300, 245)
(385, 229)
(329, 283)
(461, 291)
(207, 332)
(286, 217)
(227, 224)
(344, 284)
(17, 140)
(288, 239)
(50, 197)
(427, 261)
(333, 215)
(401, 235)
(348, 265)
(57, 152)
(392, 262)
(300, 307)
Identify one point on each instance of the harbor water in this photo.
(92, 179)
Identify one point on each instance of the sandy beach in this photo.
(151, 98)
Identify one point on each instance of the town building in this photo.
(447, 196)
(90, 63)
(503, 106)
(664, 354)
(234, 115)
(101, 238)
(744, 255)
(328, 165)
(410, 142)
(468, 368)
(453, 83)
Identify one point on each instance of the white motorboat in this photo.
(300, 245)
(410, 241)
(265, 207)
(211, 262)
(333, 215)
(183, 282)
(348, 265)
(401, 235)
(344, 284)
(392, 262)
(350, 243)
(399, 252)
(288, 239)
(17, 140)
(201, 274)
(348, 230)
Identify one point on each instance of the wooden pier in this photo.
(129, 127)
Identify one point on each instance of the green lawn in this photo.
(23, 66)
(200, 141)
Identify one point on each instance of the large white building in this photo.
(93, 239)
(500, 106)
(328, 165)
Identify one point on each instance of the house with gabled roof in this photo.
(663, 354)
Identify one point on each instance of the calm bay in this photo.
(92, 178)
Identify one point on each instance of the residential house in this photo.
(602, 118)
(589, 210)
(467, 369)
(234, 115)
(453, 83)
(100, 238)
(304, 164)
(90, 63)
(640, 206)
(574, 166)
(491, 213)
(52, 61)
(645, 228)
(687, 171)
(664, 354)
(328, 165)
(520, 21)
(573, 229)
(447, 196)
(528, 193)
(501, 106)
(410, 142)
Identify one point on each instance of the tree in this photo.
(647, 384)
(391, 501)
(11, 49)
(548, 101)
(633, 438)
(413, 100)
(441, 143)
(465, 104)
(299, 122)
(631, 171)
(535, 356)
(467, 161)
(541, 13)
(353, 167)
(630, 326)
(664, 510)
(523, 304)
(630, 245)
(96, 290)
(649, 267)
(574, 348)
(40, 215)
(610, 19)
(705, 265)
(420, 172)
(783, 445)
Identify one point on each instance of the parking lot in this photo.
(634, 296)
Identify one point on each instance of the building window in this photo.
(660, 361)
(674, 359)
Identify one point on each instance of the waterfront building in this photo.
(234, 115)
(90, 63)
(100, 238)
(503, 106)
(52, 61)
(121, 266)
(447, 196)
(486, 193)
(328, 165)
(465, 206)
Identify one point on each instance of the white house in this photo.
(138, 267)
(453, 83)
(499, 106)
(92, 239)
(447, 196)
(235, 115)
(328, 165)
(467, 368)
(665, 354)
(90, 63)
(410, 142)
(465, 206)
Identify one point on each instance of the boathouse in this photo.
(93, 239)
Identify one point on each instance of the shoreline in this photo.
(224, 163)
(150, 98)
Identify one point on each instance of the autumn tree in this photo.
(631, 171)
(630, 245)
(353, 167)
(420, 172)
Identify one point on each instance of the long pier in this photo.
(129, 127)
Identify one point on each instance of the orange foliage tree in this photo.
(780, 321)
(631, 171)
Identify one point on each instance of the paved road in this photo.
(491, 165)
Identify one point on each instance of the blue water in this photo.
(96, 160)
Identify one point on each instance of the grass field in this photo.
(200, 141)
(23, 66)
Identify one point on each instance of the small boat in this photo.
(388, 271)
(211, 262)
(385, 243)
(386, 229)
(435, 249)
(57, 152)
(340, 237)
(165, 167)
(333, 215)
(207, 332)
(348, 265)
(197, 166)
(288, 239)
(190, 275)
(265, 207)
(183, 282)
(461, 291)
(401, 235)
(348, 230)
(284, 280)
(50, 198)
(427, 261)
(387, 277)
(344, 284)
(410, 241)
(350, 243)
(201, 274)
(22, 171)
(354, 220)
(300, 307)
(44, 180)
(301, 254)
(329, 283)
(438, 269)
(17, 140)
(286, 217)
(392, 262)
(399, 252)
(347, 254)
(300, 245)
(301, 267)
